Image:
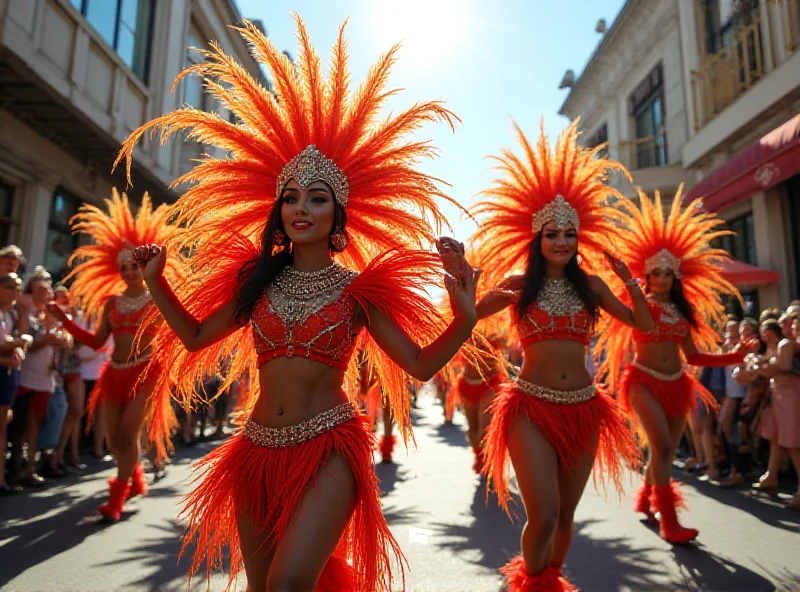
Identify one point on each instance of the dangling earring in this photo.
(339, 240)
(278, 237)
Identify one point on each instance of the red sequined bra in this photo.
(125, 314)
(668, 324)
(558, 313)
(302, 314)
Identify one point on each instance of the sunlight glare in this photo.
(429, 30)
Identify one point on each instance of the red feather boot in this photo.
(641, 501)
(138, 482)
(386, 448)
(665, 499)
(112, 509)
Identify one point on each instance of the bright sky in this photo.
(490, 60)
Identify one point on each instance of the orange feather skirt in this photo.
(267, 482)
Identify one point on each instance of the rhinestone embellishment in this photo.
(555, 396)
(297, 434)
(312, 165)
(664, 259)
(127, 305)
(658, 375)
(125, 257)
(296, 295)
(559, 211)
(669, 312)
(559, 298)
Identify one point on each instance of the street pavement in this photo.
(51, 540)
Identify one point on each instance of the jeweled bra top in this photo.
(125, 314)
(668, 324)
(558, 313)
(306, 314)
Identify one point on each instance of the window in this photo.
(194, 96)
(6, 210)
(646, 106)
(126, 25)
(60, 240)
(742, 245)
(599, 137)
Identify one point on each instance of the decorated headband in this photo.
(312, 165)
(558, 211)
(125, 257)
(664, 259)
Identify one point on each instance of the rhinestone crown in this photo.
(557, 210)
(312, 165)
(663, 260)
(125, 257)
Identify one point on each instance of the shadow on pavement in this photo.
(389, 475)
(765, 508)
(703, 570)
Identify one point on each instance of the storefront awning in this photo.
(763, 164)
(740, 273)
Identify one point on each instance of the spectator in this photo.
(12, 347)
(91, 363)
(37, 379)
(11, 259)
(70, 370)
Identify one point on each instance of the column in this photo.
(37, 198)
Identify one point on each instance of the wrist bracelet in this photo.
(633, 282)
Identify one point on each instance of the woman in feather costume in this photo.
(552, 422)
(108, 284)
(683, 280)
(308, 175)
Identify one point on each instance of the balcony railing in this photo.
(756, 49)
(641, 153)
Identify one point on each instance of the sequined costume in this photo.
(682, 243)
(97, 288)
(312, 128)
(565, 185)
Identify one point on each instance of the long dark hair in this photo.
(534, 279)
(260, 271)
(681, 303)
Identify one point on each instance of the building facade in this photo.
(76, 77)
(707, 93)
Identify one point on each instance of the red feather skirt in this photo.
(268, 484)
(471, 394)
(571, 429)
(120, 385)
(676, 397)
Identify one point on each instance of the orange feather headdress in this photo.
(314, 129)
(682, 242)
(114, 235)
(566, 184)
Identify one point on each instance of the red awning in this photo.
(763, 164)
(740, 273)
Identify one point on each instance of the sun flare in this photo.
(429, 30)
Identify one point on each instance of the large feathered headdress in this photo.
(312, 128)
(566, 185)
(681, 242)
(115, 233)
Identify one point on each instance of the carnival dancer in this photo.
(683, 281)
(375, 404)
(294, 495)
(553, 422)
(108, 283)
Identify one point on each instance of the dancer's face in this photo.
(8, 265)
(559, 245)
(307, 212)
(660, 280)
(131, 274)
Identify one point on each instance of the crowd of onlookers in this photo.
(754, 437)
(45, 380)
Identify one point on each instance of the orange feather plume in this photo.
(95, 273)
(643, 231)
(526, 184)
(392, 205)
